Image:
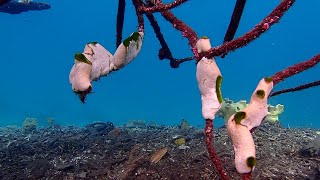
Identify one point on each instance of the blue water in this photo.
(37, 49)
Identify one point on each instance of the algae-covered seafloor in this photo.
(149, 151)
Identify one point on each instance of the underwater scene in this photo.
(160, 89)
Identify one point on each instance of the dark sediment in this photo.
(95, 153)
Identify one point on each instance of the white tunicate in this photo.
(207, 75)
(96, 61)
(125, 54)
(101, 59)
(243, 145)
(80, 76)
(257, 108)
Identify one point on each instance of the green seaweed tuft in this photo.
(133, 37)
(126, 42)
(239, 116)
(268, 79)
(251, 161)
(93, 43)
(218, 89)
(82, 58)
(261, 93)
(204, 37)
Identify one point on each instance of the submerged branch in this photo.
(295, 69)
(120, 20)
(294, 89)
(161, 7)
(234, 22)
(253, 34)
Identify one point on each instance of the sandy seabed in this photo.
(93, 152)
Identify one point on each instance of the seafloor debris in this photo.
(312, 149)
(91, 153)
(17, 7)
(157, 155)
(29, 125)
(99, 128)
